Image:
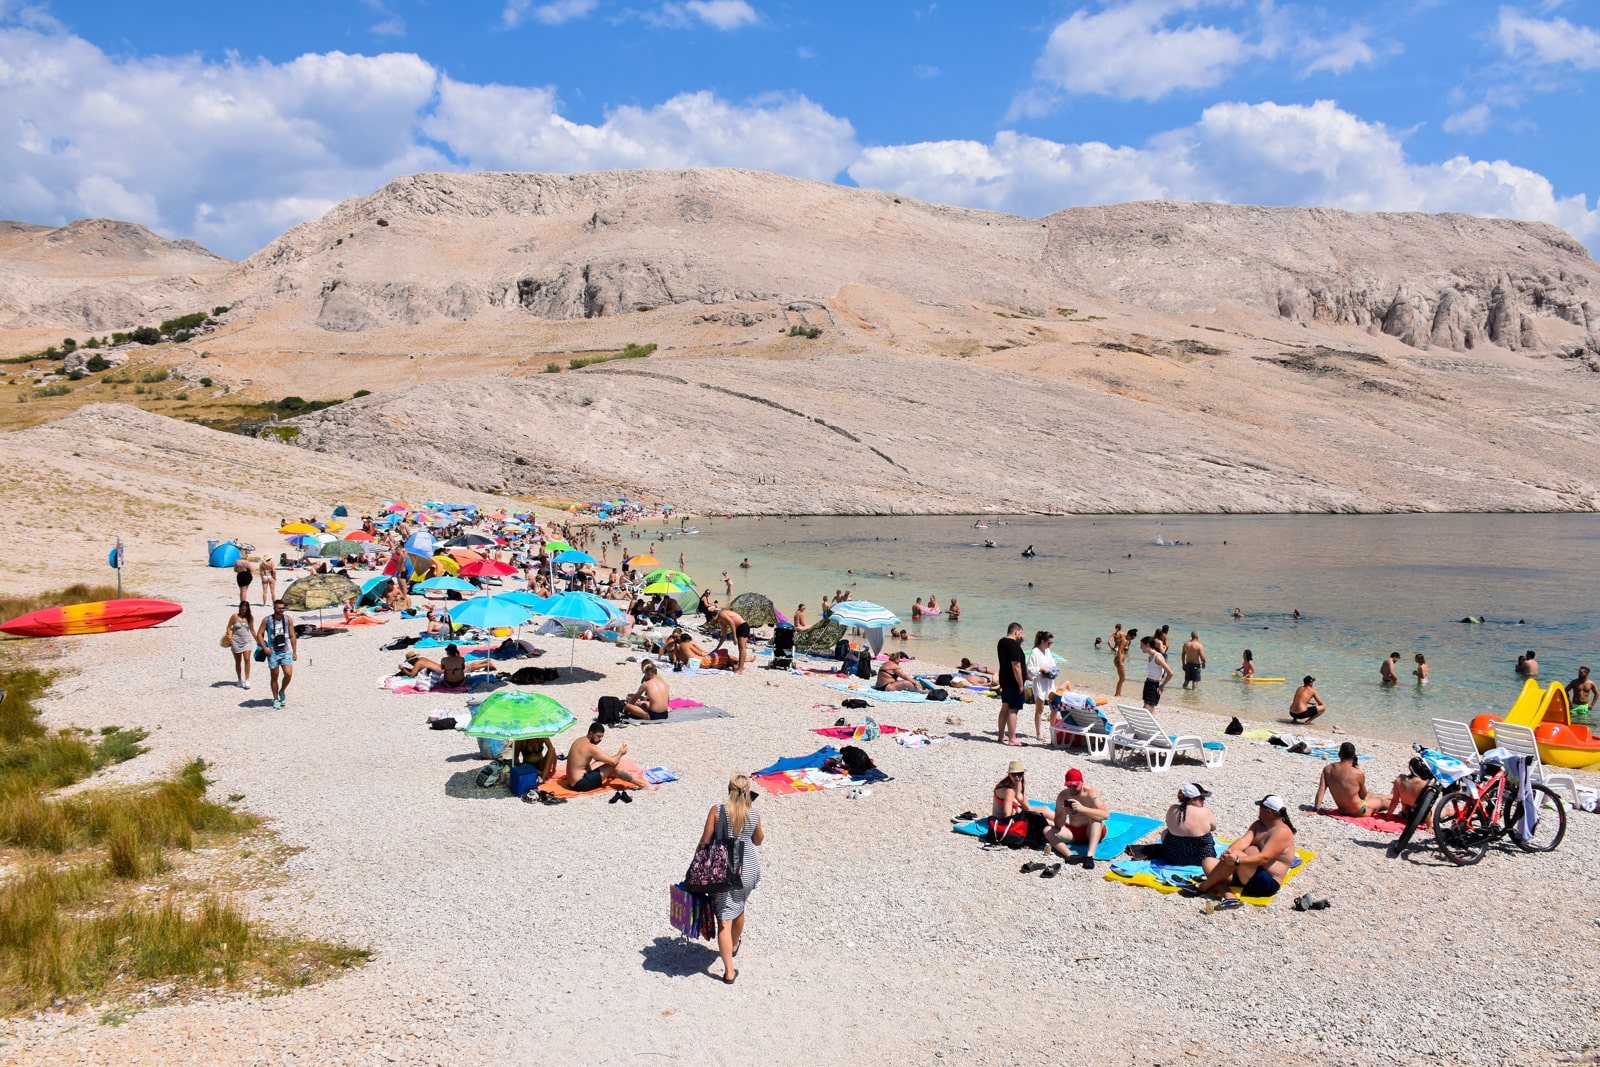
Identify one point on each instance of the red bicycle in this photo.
(1475, 812)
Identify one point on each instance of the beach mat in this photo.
(847, 733)
(1163, 877)
(691, 712)
(1122, 830)
(1383, 824)
(557, 787)
(866, 692)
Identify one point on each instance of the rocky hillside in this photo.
(98, 275)
(509, 248)
(1319, 430)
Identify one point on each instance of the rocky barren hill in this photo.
(1146, 356)
(98, 275)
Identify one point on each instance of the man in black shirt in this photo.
(1010, 668)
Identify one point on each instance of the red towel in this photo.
(1383, 824)
(847, 732)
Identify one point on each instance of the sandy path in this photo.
(877, 935)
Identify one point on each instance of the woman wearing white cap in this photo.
(1256, 863)
(1187, 840)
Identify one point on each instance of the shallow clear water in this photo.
(1365, 586)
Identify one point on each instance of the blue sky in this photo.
(228, 123)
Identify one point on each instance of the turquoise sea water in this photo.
(1365, 586)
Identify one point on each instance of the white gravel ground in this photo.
(511, 933)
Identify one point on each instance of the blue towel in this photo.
(878, 696)
(1121, 831)
(799, 763)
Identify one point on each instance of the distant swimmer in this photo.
(1422, 669)
(1386, 671)
(1528, 664)
(989, 544)
(1028, 553)
(1238, 614)
(1297, 613)
(1473, 619)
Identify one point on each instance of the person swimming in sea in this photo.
(1028, 553)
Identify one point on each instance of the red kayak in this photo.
(99, 617)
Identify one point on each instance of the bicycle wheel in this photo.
(1552, 821)
(1460, 829)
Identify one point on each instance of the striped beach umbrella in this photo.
(864, 614)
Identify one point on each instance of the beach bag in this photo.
(524, 777)
(854, 703)
(691, 914)
(1234, 728)
(446, 723)
(841, 650)
(856, 760)
(260, 655)
(1012, 832)
(864, 664)
(870, 730)
(227, 639)
(717, 864)
(938, 694)
(945, 679)
(611, 711)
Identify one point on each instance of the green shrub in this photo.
(220, 309)
(552, 368)
(206, 382)
(290, 403)
(69, 345)
(183, 323)
(805, 331)
(93, 342)
(58, 389)
(359, 393)
(97, 363)
(145, 335)
(76, 375)
(182, 394)
(160, 374)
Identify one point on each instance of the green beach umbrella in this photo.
(662, 588)
(319, 591)
(342, 548)
(557, 546)
(677, 578)
(512, 715)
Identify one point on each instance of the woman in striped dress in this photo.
(729, 907)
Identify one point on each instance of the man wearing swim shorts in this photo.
(1080, 820)
(589, 768)
(275, 634)
(732, 624)
(1194, 659)
(1346, 782)
(652, 700)
(1156, 674)
(1011, 671)
(1307, 704)
(1256, 863)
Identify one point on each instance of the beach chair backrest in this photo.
(1086, 718)
(1520, 740)
(1455, 739)
(1141, 722)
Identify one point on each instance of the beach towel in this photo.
(690, 712)
(1122, 830)
(659, 776)
(804, 774)
(915, 740)
(557, 786)
(846, 733)
(866, 692)
(1383, 824)
(359, 620)
(407, 687)
(1166, 878)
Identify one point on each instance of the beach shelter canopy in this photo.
(373, 590)
(488, 612)
(819, 639)
(756, 609)
(319, 591)
(344, 548)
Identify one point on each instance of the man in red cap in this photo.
(1080, 820)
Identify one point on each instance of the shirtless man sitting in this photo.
(652, 699)
(893, 678)
(680, 648)
(589, 768)
(416, 663)
(1080, 820)
(1307, 703)
(731, 624)
(1256, 863)
(1346, 782)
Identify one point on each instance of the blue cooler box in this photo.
(524, 776)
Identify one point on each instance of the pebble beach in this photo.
(532, 933)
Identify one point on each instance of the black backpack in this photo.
(1234, 728)
(856, 760)
(864, 668)
(841, 649)
(611, 711)
(938, 694)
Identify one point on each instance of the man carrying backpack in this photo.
(276, 636)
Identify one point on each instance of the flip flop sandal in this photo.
(966, 816)
(1032, 866)
(1229, 904)
(1189, 891)
(1320, 905)
(614, 798)
(1302, 903)
(1051, 871)
(624, 797)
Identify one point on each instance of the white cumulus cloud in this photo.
(1314, 154)
(1130, 51)
(1474, 119)
(723, 14)
(1552, 41)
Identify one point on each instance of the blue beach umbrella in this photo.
(577, 612)
(488, 612)
(528, 599)
(447, 582)
(572, 555)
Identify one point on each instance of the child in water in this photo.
(1247, 669)
(1422, 670)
